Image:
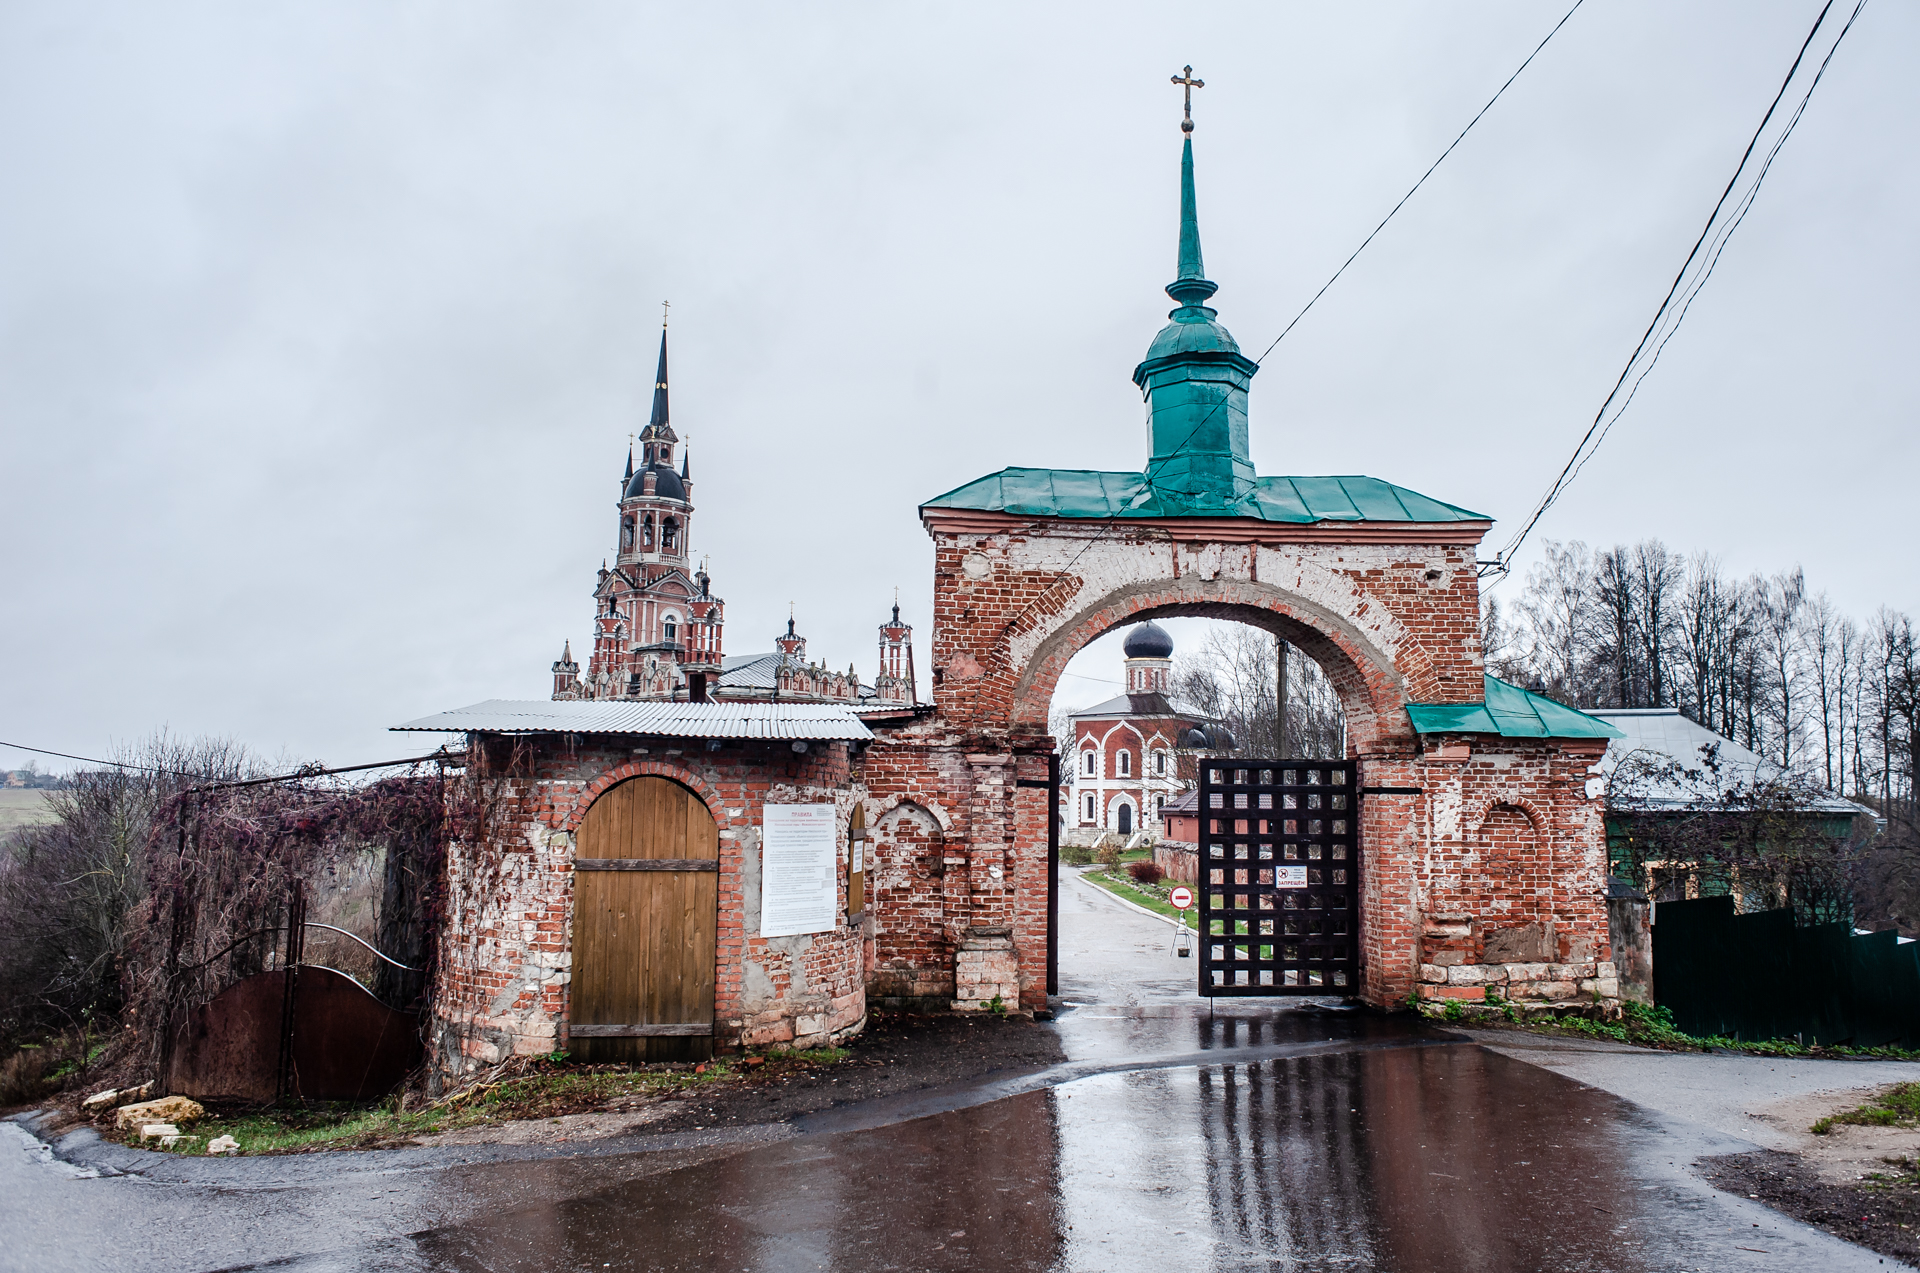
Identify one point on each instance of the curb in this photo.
(1135, 906)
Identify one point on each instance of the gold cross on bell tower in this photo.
(1188, 84)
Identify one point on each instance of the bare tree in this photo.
(1232, 679)
(1781, 601)
(1557, 616)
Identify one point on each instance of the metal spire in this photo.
(660, 384)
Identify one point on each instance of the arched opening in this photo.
(645, 913)
(1137, 703)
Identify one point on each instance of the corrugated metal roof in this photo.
(808, 721)
(1510, 712)
(1086, 493)
(1664, 732)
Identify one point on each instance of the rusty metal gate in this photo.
(1279, 877)
(645, 905)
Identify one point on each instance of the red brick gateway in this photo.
(1481, 837)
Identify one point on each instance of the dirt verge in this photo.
(536, 1101)
(1881, 1215)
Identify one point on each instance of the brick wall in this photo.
(506, 947)
(1501, 837)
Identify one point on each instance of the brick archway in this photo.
(1372, 690)
(1389, 610)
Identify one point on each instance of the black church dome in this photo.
(666, 484)
(1148, 641)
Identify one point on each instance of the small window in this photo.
(1086, 763)
(1160, 763)
(1123, 763)
(1089, 808)
(670, 629)
(669, 533)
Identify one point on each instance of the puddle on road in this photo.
(1404, 1158)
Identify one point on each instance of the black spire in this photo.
(629, 474)
(660, 385)
(685, 460)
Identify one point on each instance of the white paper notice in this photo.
(799, 890)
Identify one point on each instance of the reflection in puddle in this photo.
(1408, 1158)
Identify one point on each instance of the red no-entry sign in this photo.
(1181, 898)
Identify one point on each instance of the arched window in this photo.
(1086, 763)
(669, 628)
(669, 534)
(646, 531)
(1123, 763)
(1160, 763)
(626, 534)
(1089, 816)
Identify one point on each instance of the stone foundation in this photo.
(1522, 983)
(986, 970)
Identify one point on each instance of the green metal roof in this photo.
(1085, 493)
(1510, 712)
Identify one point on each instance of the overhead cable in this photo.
(1688, 282)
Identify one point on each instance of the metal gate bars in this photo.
(1279, 877)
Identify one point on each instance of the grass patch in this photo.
(550, 1088)
(1899, 1106)
(1650, 1027)
(1151, 896)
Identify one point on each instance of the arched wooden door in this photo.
(1126, 819)
(645, 904)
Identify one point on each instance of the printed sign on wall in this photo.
(1289, 877)
(798, 888)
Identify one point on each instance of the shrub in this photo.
(1076, 854)
(1108, 854)
(1145, 871)
(23, 1077)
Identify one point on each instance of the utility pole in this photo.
(1280, 701)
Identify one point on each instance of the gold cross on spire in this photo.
(667, 305)
(1188, 84)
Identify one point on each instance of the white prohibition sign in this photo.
(1181, 898)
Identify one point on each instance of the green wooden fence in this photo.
(1758, 977)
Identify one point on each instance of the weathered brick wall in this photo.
(1389, 622)
(506, 950)
(1512, 895)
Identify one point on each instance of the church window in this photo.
(1089, 808)
(626, 535)
(1086, 763)
(646, 532)
(1160, 763)
(1123, 763)
(670, 628)
(669, 534)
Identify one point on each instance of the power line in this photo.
(1597, 431)
(245, 782)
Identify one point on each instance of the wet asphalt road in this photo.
(1257, 1136)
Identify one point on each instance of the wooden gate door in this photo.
(645, 903)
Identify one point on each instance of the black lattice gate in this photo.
(1280, 877)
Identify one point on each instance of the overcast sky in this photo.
(323, 327)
